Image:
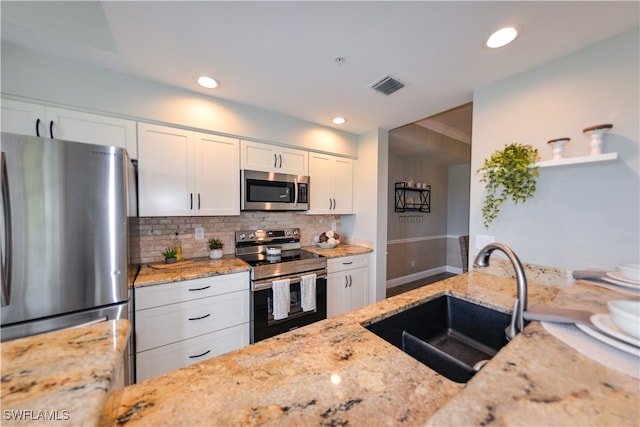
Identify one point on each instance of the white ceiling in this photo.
(280, 56)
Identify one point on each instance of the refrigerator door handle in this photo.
(5, 252)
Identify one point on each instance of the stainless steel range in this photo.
(276, 255)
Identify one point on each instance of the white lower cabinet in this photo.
(184, 353)
(347, 284)
(181, 323)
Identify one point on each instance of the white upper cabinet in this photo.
(217, 176)
(185, 173)
(331, 184)
(271, 158)
(38, 120)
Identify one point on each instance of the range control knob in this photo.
(287, 232)
(242, 236)
(252, 235)
(295, 232)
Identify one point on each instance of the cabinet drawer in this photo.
(176, 322)
(347, 263)
(174, 356)
(170, 293)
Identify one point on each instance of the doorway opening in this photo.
(436, 152)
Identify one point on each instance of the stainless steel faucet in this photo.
(520, 305)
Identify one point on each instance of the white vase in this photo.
(596, 135)
(215, 253)
(557, 147)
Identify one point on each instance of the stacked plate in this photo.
(620, 328)
(626, 276)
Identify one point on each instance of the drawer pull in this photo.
(200, 289)
(200, 355)
(201, 317)
(347, 263)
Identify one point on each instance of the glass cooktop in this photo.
(255, 260)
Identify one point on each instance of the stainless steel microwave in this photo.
(270, 191)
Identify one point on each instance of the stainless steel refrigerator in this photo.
(64, 213)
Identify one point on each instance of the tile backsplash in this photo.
(151, 235)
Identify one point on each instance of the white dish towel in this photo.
(281, 298)
(308, 292)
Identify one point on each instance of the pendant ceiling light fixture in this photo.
(502, 37)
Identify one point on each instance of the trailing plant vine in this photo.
(508, 173)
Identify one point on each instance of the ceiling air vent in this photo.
(387, 85)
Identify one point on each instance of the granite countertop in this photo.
(335, 372)
(205, 267)
(339, 251)
(66, 377)
(200, 267)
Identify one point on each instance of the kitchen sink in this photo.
(452, 336)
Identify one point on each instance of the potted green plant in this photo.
(170, 255)
(215, 248)
(508, 173)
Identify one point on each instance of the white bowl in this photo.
(630, 271)
(326, 245)
(626, 315)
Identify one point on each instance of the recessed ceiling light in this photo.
(339, 121)
(208, 82)
(502, 37)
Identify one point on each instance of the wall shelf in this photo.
(570, 161)
(607, 157)
(411, 199)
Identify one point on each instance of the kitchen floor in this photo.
(417, 284)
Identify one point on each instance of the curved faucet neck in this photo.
(482, 260)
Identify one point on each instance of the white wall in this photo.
(458, 200)
(50, 79)
(370, 206)
(581, 216)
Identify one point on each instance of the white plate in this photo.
(608, 326)
(610, 341)
(621, 283)
(619, 277)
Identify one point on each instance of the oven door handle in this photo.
(266, 284)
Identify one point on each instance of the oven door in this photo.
(264, 326)
(273, 191)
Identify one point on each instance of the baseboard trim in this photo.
(416, 276)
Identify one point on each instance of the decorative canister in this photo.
(596, 133)
(557, 147)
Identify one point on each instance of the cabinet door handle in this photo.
(350, 281)
(346, 282)
(330, 204)
(280, 155)
(191, 201)
(334, 204)
(51, 128)
(200, 355)
(199, 289)
(38, 127)
(198, 201)
(201, 317)
(275, 160)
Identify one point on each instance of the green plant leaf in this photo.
(508, 173)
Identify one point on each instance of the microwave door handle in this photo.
(295, 190)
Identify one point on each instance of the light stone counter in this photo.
(339, 251)
(200, 267)
(66, 377)
(335, 372)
